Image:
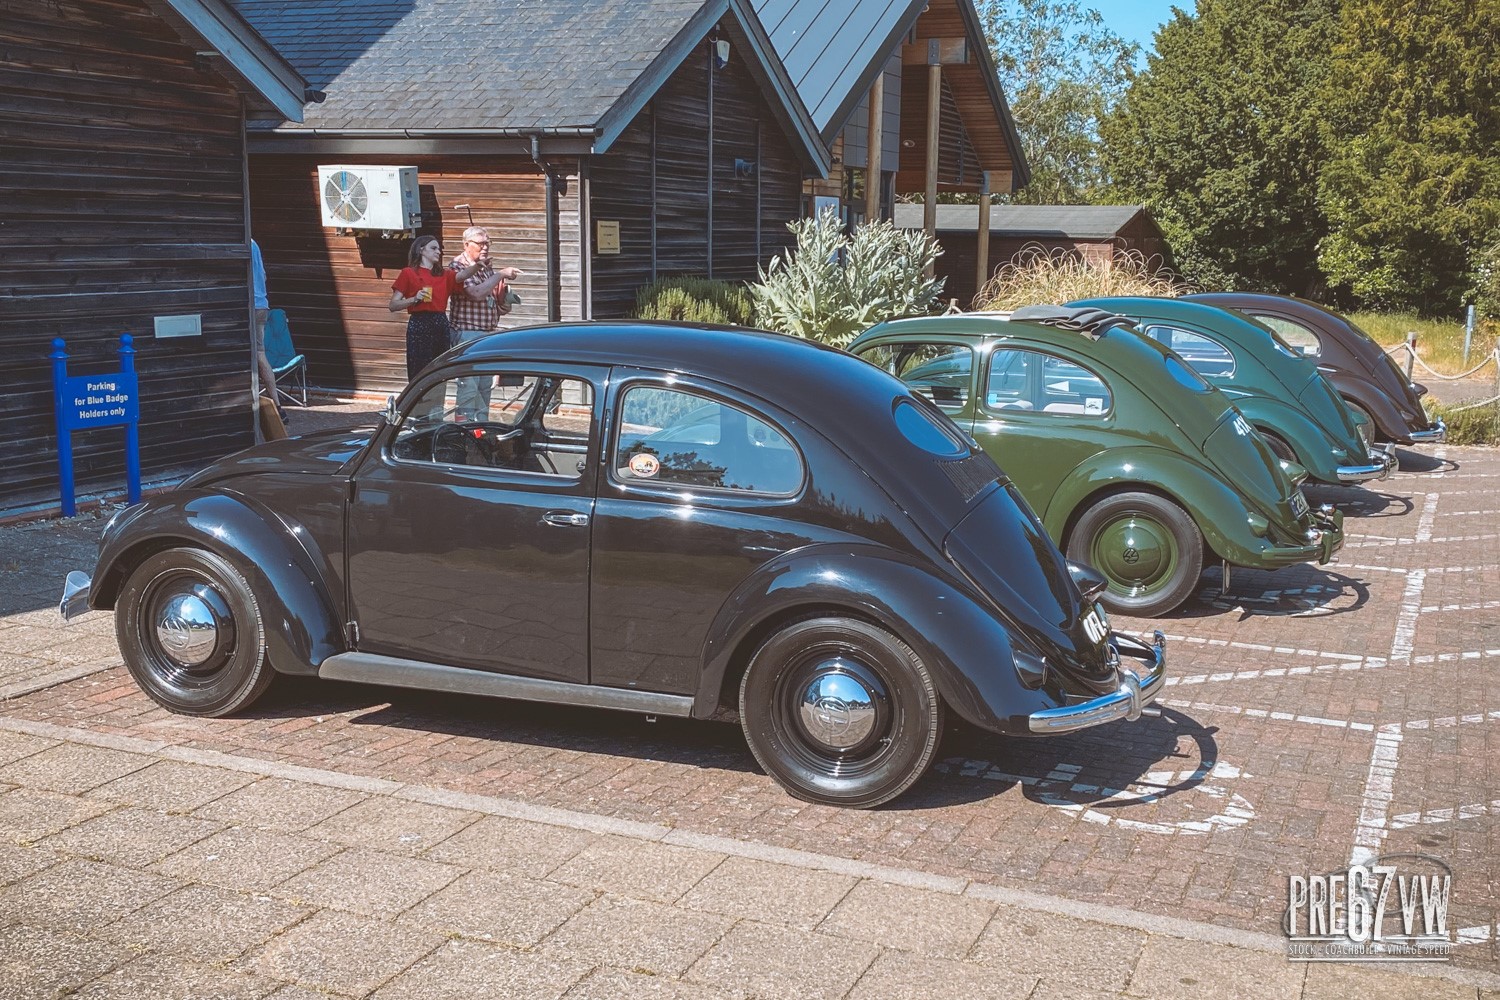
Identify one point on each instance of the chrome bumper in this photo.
(1436, 435)
(1129, 699)
(1383, 465)
(75, 595)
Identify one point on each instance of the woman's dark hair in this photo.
(414, 255)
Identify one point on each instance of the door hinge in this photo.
(351, 634)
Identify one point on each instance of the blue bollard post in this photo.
(59, 358)
(132, 430)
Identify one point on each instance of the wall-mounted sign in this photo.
(608, 240)
(179, 326)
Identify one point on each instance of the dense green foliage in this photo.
(830, 287)
(1062, 71)
(1221, 137)
(1412, 186)
(695, 300)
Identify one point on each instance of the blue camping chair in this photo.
(284, 357)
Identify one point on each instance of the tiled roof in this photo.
(467, 64)
(1071, 221)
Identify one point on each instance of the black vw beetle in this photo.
(664, 519)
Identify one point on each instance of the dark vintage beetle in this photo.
(665, 519)
(1370, 382)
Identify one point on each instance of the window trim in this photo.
(996, 413)
(1234, 361)
(510, 476)
(677, 492)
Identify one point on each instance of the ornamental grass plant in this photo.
(695, 300)
(1035, 276)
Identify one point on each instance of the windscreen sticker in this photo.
(1093, 404)
(645, 465)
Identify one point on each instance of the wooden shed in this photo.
(126, 212)
(1090, 231)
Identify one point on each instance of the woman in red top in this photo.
(422, 289)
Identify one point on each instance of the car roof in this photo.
(1270, 300)
(1228, 322)
(1117, 348)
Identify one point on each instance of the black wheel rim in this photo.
(834, 713)
(187, 630)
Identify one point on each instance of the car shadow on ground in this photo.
(1099, 762)
(1423, 461)
(1360, 502)
(1305, 591)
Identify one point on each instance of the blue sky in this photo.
(1136, 20)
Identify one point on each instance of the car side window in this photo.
(1304, 340)
(1207, 356)
(521, 423)
(685, 439)
(941, 372)
(1031, 380)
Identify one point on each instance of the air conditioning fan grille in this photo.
(345, 197)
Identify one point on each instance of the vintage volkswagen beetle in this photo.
(1280, 392)
(1369, 380)
(1137, 465)
(665, 519)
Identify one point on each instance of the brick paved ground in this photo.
(1314, 715)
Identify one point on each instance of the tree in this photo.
(1061, 70)
(1221, 136)
(1412, 189)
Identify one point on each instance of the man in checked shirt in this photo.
(476, 312)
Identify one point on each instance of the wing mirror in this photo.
(391, 416)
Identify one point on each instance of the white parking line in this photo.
(1259, 647)
(1369, 833)
(1362, 663)
(1261, 713)
(1480, 606)
(1453, 815)
(1365, 541)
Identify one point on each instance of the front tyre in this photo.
(840, 712)
(191, 634)
(1148, 548)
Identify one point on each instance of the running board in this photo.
(370, 668)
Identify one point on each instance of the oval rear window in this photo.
(928, 431)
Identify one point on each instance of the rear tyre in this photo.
(191, 634)
(1279, 447)
(840, 712)
(1147, 547)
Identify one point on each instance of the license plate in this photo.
(1299, 504)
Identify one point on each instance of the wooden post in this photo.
(934, 121)
(873, 142)
(982, 247)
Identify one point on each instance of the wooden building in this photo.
(125, 202)
(604, 143)
(1091, 231)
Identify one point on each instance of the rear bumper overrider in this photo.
(1133, 693)
(1382, 464)
(1436, 434)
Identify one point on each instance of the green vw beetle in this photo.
(1136, 464)
(1279, 391)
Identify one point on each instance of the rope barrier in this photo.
(1492, 357)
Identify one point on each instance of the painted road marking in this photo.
(1061, 782)
(1481, 606)
(1261, 713)
(1453, 815)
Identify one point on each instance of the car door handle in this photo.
(566, 519)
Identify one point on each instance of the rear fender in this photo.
(1308, 441)
(298, 611)
(1390, 425)
(973, 668)
(1214, 506)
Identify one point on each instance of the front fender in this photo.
(1390, 425)
(972, 667)
(1219, 511)
(1314, 450)
(301, 624)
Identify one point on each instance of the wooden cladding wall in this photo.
(655, 180)
(124, 200)
(335, 289)
(958, 164)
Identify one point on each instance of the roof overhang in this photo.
(1020, 171)
(267, 79)
(764, 66)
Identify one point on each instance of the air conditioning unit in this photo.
(370, 198)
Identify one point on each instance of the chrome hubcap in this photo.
(837, 708)
(187, 627)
